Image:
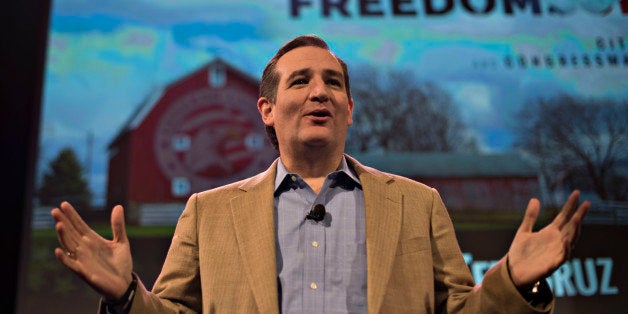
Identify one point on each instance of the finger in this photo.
(568, 209)
(66, 235)
(70, 263)
(117, 224)
(530, 216)
(578, 216)
(74, 218)
(67, 239)
(572, 231)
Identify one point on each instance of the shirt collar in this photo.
(284, 178)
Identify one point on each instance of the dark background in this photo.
(22, 57)
(596, 241)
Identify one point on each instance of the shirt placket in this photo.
(314, 260)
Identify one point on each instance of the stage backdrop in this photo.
(490, 101)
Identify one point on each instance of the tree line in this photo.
(576, 142)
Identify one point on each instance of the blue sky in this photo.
(104, 57)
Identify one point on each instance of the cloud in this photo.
(475, 96)
(85, 24)
(164, 13)
(186, 34)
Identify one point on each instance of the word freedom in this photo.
(374, 8)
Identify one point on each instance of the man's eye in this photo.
(334, 82)
(300, 81)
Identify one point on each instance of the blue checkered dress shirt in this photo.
(321, 265)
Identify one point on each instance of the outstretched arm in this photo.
(535, 255)
(106, 265)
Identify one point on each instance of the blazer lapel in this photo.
(255, 232)
(383, 205)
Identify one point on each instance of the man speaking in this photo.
(317, 232)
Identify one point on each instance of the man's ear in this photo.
(265, 108)
(350, 115)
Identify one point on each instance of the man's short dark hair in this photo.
(270, 77)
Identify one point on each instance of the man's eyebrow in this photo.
(330, 72)
(302, 72)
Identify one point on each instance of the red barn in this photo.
(467, 182)
(199, 132)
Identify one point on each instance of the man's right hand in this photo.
(106, 265)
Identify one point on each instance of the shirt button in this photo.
(294, 178)
(313, 286)
(314, 244)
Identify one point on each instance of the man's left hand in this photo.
(535, 255)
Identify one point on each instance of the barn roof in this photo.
(152, 98)
(435, 165)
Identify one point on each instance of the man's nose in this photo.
(319, 91)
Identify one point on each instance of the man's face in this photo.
(311, 107)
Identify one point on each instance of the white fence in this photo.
(607, 213)
(160, 214)
(41, 218)
(601, 213)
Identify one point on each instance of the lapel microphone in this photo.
(317, 213)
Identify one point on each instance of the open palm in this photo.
(535, 255)
(106, 265)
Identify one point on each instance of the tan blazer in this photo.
(222, 256)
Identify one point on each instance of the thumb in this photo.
(117, 224)
(529, 218)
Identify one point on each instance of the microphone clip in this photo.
(317, 213)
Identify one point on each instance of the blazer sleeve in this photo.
(455, 291)
(178, 287)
